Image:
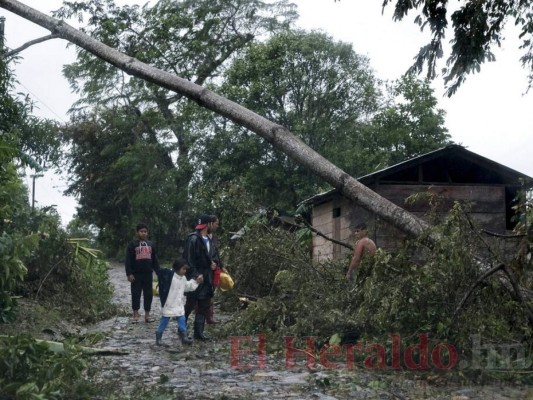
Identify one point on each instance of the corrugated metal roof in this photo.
(508, 174)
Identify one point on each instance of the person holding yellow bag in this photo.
(221, 276)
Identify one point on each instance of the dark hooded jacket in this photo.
(199, 259)
(164, 278)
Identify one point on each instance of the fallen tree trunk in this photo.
(58, 347)
(279, 136)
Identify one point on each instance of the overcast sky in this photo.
(490, 115)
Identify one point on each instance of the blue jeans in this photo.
(182, 327)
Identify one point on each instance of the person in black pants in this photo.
(215, 223)
(199, 253)
(141, 261)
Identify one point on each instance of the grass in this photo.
(40, 320)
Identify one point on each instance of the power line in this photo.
(42, 102)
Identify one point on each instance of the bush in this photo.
(67, 274)
(417, 291)
(16, 243)
(13, 271)
(31, 370)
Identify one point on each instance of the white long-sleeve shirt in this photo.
(175, 304)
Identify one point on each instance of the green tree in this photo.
(408, 125)
(119, 178)
(328, 95)
(477, 26)
(318, 88)
(195, 39)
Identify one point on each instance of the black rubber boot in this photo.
(158, 337)
(185, 339)
(199, 324)
(211, 315)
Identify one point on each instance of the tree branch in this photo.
(326, 237)
(28, 44)
(499, 235)
(518, 294)
(476, 283)
(516, 291)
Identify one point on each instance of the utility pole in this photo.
(2, 24)
(33, 190)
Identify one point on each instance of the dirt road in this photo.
(204, 370)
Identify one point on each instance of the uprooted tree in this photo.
(280, 137)
(277, 135)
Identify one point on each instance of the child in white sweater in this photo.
(172, 288)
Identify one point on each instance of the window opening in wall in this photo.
(511, 201)
(336, 212)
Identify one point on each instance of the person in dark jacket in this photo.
(215, 223)
(141, 261)
(199, 253)
(172, 288)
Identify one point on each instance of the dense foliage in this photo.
(15, 243)
(328, 96)
(31, 370)
(321, 90)
(121, 179)
(408, 125)
(416, 291)
(66, 273)
(142, 133)
(140, 152)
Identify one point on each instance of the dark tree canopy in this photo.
(409, 126)
(316, 87)
(330, 98)
(143, 134)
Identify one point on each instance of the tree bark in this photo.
(277, 135)
(10, 53)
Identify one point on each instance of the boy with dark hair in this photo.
(141, 261)
(172, 287)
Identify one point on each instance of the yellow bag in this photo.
(226, 282)
(155, 288)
